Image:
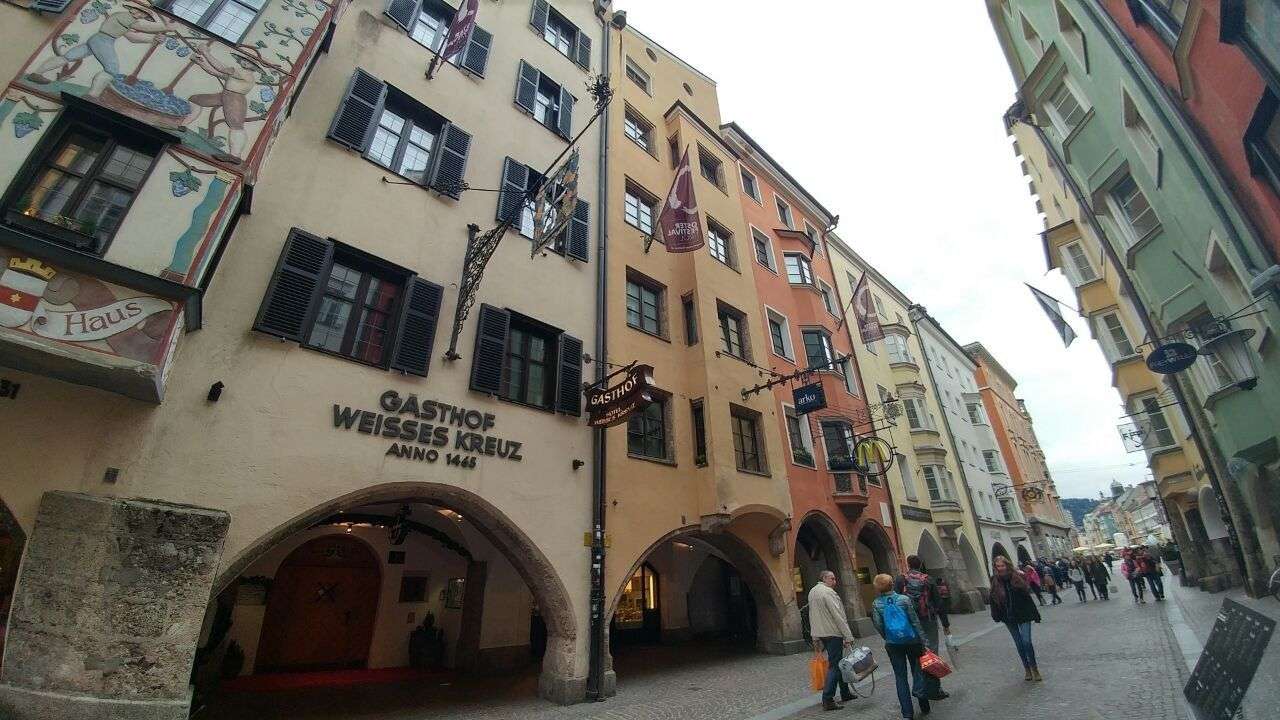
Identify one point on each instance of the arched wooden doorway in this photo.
(322, 607)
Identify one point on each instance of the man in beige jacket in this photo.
(829, 628)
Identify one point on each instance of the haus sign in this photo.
(616, 403)
(429, 430)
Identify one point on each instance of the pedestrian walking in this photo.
(1129, 568)
(1100, 578)
(1108, 558)
(1076, 575)
(1086, 565)
(1011, 604)
(922, 590)
(1033, 579)
(1051, 587)
(1060, 569)
(829, 628)
(1149, 565)
(894, 617)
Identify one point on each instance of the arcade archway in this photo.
(1024, 555)
(998, 550)
(874, 555)
(977, 572)
(12, 540)
(818, 547)
(931, 554)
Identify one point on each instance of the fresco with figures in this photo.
(42, 300)
(218, 95)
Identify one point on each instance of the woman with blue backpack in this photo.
(1012, 605)
(894, 616)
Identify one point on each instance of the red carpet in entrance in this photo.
(328, 679)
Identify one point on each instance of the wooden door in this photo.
(323, 603)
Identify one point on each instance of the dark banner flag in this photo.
(864, 309)
(1053, 309)
(681, 230)
(464, 20)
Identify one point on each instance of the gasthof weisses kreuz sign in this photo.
(615, 404)
(809, 398)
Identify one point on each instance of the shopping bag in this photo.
(855, 666)
(953, 651)
(818, 671)
(933, 666)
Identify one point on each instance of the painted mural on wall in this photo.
(142, 62)
(45, 301)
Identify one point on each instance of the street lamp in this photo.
(1231, 347)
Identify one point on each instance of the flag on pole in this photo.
(681, 230)
(1053, 309)
(864, 310)
(464, 21)
(557, 199)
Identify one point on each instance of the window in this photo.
(838, 441)
(828, 298)
(1065, 109)
(780, 335)
(1006, 509)
(799, 271)
(976, 415)
(884, 317)
(518, 182)
(638, 76)
(908, 478)
(749, 184)
(523, 360)
(846, 371)
(673, 144)
(83, 187)
(813, 236)
(720, 243)
(817, 349)
(639, 130)
(1114, 339)
(1144, 140)
(748, 448)
(356, 313)
(561, 34)
(1072, 35)
(644, 305)
(764, 250)
(1032, 37)
(918, 417)
(432, 27)
(992, 460)
(710, 167)
(530, 365)
(1166, 17)
(228, 19)
(690, 320)
(897, 347)
(937, 481)
(800, 437)
(638, 207)
(699, 433)
(784, 213)
(545, 100)
(733, 332)
(1262, 140)
(1131, 210)
(403, 140)
(1077, 266)
(1148, 409)
(647, 431)
(428, 21)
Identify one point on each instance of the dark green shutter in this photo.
(565, 120)
(451, 162)
(491, 349)
(569, 376)
(579, 245)
(583, 55)
(541, 8)
(476, 56)
(295, 287)
(358, 114)
(527, 86)
(416, 331)
(50, 6)
(515, 178)
(403, 12)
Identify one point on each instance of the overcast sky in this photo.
(892, 119)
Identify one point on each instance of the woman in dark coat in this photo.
(1101, 577)
(1012, 605)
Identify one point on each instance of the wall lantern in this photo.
(1231, 347)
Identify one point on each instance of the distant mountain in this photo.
(1078, 507)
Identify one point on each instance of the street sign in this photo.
(1171, 358)
(809, 398)
(1229, 661)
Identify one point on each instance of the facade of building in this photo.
(832, 503)
(1160, 177)
(1031, 484)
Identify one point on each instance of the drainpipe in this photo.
(1237, 511)
(596, 670)
(968, 492)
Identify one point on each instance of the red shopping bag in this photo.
(818, 671)
(934, 666)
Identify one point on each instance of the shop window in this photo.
(523, 360)
(648, 431)
(748, 442)
(228, 19)
(545, 100)
(427, 22)
(639, 596)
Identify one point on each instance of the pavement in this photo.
(1110, 659)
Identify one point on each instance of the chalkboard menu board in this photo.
(1230, 658)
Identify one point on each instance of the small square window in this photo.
(228, 19)
(647, 431)
(638, 207)
(720, 243)
(638, 129)
(710, 167)
(749, 185)
(638, 76)
(784, 213)
(645, 305)
(748, 443)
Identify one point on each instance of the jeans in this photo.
(1021, 633)
(835, 653)
(1036, 589)
(1137, 588)
(932, 685)
(902, 657)
(1157, 584)
(1054, 592)
(1093, 589)
(1102, 590)
(1080, 590)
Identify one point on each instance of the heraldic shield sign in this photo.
(616, 403)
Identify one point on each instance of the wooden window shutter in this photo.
(515, 179)
(403, 12)
(569, 377)
(565, 121)
(527, 86)
(50, 6)
(476, 57)
(583, 54)
(295, 287)
(358, 114)
(491, 349)
(451, 161)
(416, 331)
(541, 9)
(579, 245)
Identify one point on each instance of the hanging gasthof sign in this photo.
(617, 403)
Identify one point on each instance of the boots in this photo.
(1028, 677)
(831, 705)
(1035, 674)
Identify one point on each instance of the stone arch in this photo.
(997, 550)
(931, 553)
(558, 680)
(1211, 513)
(978, 573)
(1024, 555)
(831, 542)
(12, 542)
(877, 539)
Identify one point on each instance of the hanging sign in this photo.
(1171, 358)
(809, 398)
(1134, 434)
(871, 450)
(615, 404)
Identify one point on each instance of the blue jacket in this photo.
(877, 612)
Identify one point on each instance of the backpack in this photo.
(917, 588)
(897, 626)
